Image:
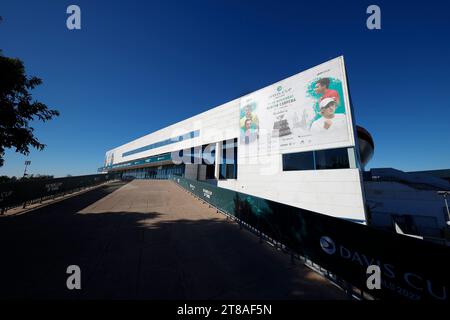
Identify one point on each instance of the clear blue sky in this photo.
(137, 66)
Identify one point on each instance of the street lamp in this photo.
(445, 194)
(27, 163)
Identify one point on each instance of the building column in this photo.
(218, 159)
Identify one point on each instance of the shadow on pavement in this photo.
(143, 255)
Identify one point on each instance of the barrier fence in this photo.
(21, 193)
(410, 268)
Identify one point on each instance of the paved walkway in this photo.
(145, 240)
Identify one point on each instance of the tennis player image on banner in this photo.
(301, 113)
(329, 108)
(249, 123)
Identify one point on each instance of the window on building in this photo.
(332, 159)
(189, 135)
(209, 159)
(197, 155)
(298, 161)
(210, 171)
(340, 158)
(188, 155)
(228, 165)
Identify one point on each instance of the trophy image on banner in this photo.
(281, 127)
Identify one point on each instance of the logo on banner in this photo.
(207, 193)
(406, 283)
(5, 194)
(53, 186)
(327, 245)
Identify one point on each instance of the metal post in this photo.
(446, 205)
(444, 194)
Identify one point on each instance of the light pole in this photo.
(445, 194)
(27, 163)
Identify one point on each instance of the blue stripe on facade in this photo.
(187, 136)
(161, 157)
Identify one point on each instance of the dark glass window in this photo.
(210, 171)
(187, 155)
(228, 167)
(231, 171)
(222, 171)
(189, 135)
(197, 155)
(317, 160)
(332, 159)
(298, 161)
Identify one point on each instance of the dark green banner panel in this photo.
(410, 268)
(16, 193)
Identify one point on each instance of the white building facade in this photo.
(292, 142)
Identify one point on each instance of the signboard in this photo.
(307, 111)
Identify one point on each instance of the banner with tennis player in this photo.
(306, 111)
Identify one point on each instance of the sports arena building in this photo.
(293, 142)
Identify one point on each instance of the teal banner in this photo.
(411, 269)
(16, 193)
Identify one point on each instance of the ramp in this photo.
(145, 240)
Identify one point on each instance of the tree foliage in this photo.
(18, 108)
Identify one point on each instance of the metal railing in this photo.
(27, 192)
(351, 291)
(299, 232)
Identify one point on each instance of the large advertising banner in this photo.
(307, 111)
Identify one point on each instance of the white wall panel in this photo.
(332, 192)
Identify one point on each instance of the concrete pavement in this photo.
(145, 240)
